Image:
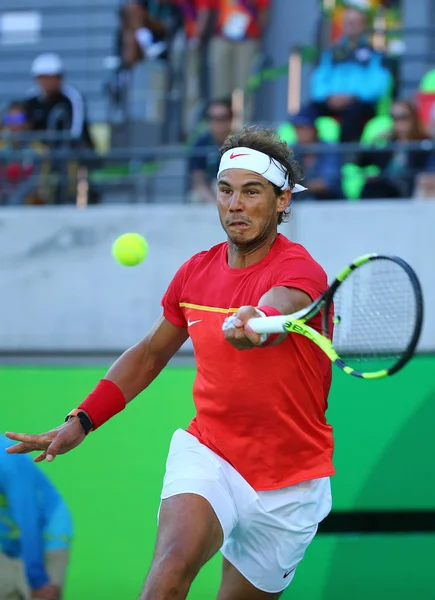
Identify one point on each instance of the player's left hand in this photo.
(238, 333)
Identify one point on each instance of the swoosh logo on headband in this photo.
(236, 155)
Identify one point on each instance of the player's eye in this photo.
(225, 190)
(253, 192)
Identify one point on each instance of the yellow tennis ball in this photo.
(130, 249)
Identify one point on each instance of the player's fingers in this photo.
(40, 457)
(253, 336)
(244, 314)
(38, 440)
(21, 448)
(18, 437)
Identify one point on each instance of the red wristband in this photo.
(270, 311)
(103, 403)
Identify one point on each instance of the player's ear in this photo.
(283, 201)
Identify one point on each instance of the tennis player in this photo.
(250, 476)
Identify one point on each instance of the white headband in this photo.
(258, 162)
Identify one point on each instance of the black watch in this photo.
(85, 421)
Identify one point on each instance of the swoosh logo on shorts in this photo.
(236, 155)
(289, 572)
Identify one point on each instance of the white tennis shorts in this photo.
(265, 533)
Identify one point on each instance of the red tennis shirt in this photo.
(263, 410)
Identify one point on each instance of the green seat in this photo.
(328, 130)
(383, 106)
(427, 83)
(353, 178)
(287, 133)
(327, 127)
(375, 128)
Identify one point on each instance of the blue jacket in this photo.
(357, 72)
(33, 516)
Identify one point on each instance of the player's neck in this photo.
(246, 255)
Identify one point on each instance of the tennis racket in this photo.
(376, 307)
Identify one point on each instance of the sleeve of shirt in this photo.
(330, 169)
(197, 162)
(21, 492)
(172, 310)
(321, 79)
(376, 83)
(304, 275)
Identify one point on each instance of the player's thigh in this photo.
(236, 587)
(189, 531)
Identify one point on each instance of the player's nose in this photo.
(235, 202)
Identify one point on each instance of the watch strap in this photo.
(85, 421)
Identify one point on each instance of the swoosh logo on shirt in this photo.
(236, 155)
(189, 323)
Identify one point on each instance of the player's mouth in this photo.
(239, 224)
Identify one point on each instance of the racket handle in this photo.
(268, 324)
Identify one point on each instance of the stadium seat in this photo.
(375, 128)
(425, 97)
(427, 83)
(328, 129)
(353, 178)
(287, 133)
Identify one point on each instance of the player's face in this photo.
(248, 206)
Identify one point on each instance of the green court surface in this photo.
(384, 459)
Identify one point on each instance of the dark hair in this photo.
(417, 129)
(226, 102)
(268, 142)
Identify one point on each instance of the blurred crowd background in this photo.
(129, 100)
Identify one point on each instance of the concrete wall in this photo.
(61, 289)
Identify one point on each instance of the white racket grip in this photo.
(268, 324)
(229, 323)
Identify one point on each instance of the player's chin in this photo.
(240, 235)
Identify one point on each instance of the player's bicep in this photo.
(165, 339)
(286, 300)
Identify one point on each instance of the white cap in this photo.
(47, 64)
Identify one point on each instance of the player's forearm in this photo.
(132, 372)
(136, 369)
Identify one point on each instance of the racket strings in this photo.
(375, 312)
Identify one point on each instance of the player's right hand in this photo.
(57, 441)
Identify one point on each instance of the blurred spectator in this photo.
(398, 168)
(55, 105)
(350, 79)
(321, 170)
(425, 182)
(203, 169)
(26, 180)
(35, 531)
(239, 29)
(196, 17)
(147, 28)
